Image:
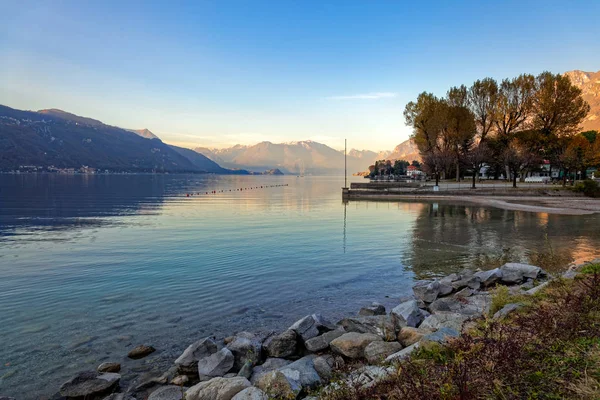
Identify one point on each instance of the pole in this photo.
(345, 164)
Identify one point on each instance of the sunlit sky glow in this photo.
(217, 73)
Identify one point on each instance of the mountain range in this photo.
(589, 83)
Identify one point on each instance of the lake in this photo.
(91, 266)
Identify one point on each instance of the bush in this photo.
(588, 187)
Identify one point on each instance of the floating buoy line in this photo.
(233, 190)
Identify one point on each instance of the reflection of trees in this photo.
(449, 237)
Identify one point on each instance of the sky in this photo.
(219, 73)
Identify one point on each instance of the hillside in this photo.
(64, 140)
(589, 83)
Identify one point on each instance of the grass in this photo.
(548, 350)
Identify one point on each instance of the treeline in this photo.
(385, 167)
(511, 127)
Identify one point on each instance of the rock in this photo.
(381, 325)
(507, 309)
(489, 278)
(283, 345)
(369, 375)
(570, 274)
(140, 351)
(426, 290)
(6, 398)
(407, 314)
(324, 365)
(352, 344)
(269, 365)
(373, 309)
(470, 281)
(114, 396)
(377, 351)
(251, 393)
(451, 278)
(448, 319)
(439, 336)
(409, 335)
(536, 289)
(321, 342)
(217, 389)
(229, 375)
(246, 346)
(167, 393)
(217, 364)
(246, 371)
(278, 386)
(302, 371)
(474, 305)
(188, 360)
(311, 326)
(404, 353)
(180, 380)
(89, 383)
(465, 292)
(109, 367)
(525, 270)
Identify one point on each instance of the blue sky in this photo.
(224, 72)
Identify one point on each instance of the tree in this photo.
(558, 107)
(459, 126)
(514, 104)
(400, 167)
(483, 103)
(415, 163)
(476, 157)
(518, 158)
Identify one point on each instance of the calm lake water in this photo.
(91, 266)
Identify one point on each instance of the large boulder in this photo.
(217, 389)
(402, 354)
(311, 326)
(303, 371)
(409, 335)
(321, 342)
(89, 384)
(352, 344)
(278, 386)
(140, 351)
(217, 364)
(245, 346)
(269, 365)
(489, 278)
(439, 336)
(474, 305)
(467, 281)
(448, 319)
(251, 393)
(170, 392)
(373, 309)
(378, 351)
(282, 345)
(513, 273)
(408, 314)
(382, 325)
(326, 364)
(187, 362)
(426, 290)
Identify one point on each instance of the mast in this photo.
(345, 164)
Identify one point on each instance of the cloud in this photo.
(365, 96)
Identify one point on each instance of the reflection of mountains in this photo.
(449, 237)
(51, 202)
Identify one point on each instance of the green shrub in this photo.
(588, 187)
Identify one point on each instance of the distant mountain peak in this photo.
(589, 83)
(145, 133)
(67, 116)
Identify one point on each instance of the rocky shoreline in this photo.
(297, 362)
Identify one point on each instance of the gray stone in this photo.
(167, 393)
(217, 389)
(536, 289)
(426, 290)
(378, 351)
(217, 364)
(282, 345)
(439, 336)
(525, 270)
(269, 365)
(188, 360)
(369, 375)
(507, 309)
(382, 325)
(245, 346)
(448, 319)
(109, 367)
(140, 351)
(114, 396)
(409, 335)
(471, 281)
(407, 314)
(278, 386)
(302, 371)
(465, 292)
(373, 309)
(402, 354)
(321, 342)
(489, 278)
(352, 344)
(448, 279)
(251, 393)
(311, 326)
(474, 305)
(326, 364)
(246, 370)
(570, 274)
(89, 383)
